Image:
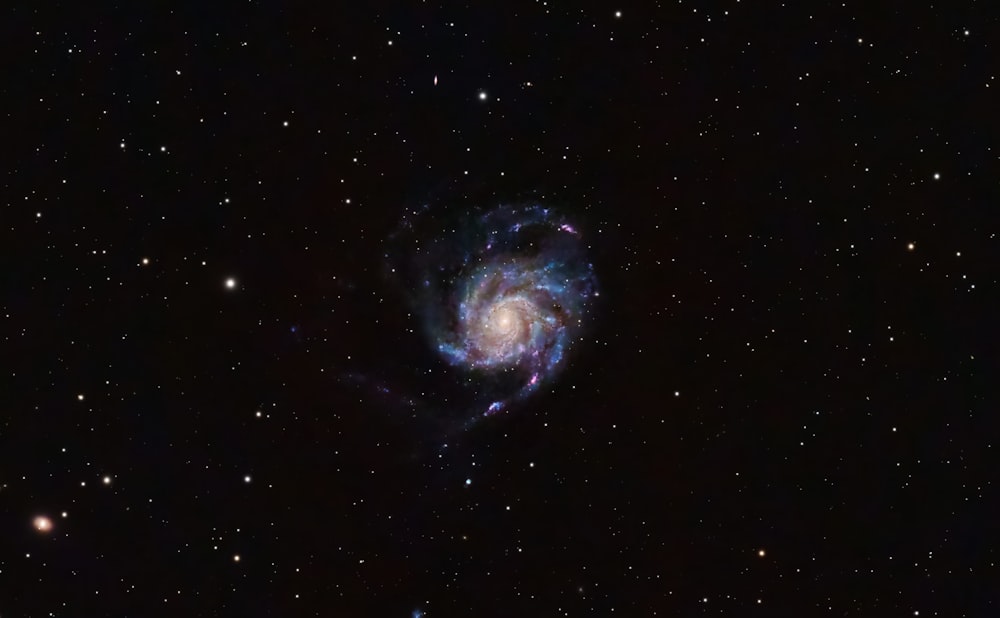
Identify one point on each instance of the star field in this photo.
(534, 309)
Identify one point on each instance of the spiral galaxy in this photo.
(502, 294)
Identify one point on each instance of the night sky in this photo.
(743, 363)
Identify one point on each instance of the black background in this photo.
(784, 404)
